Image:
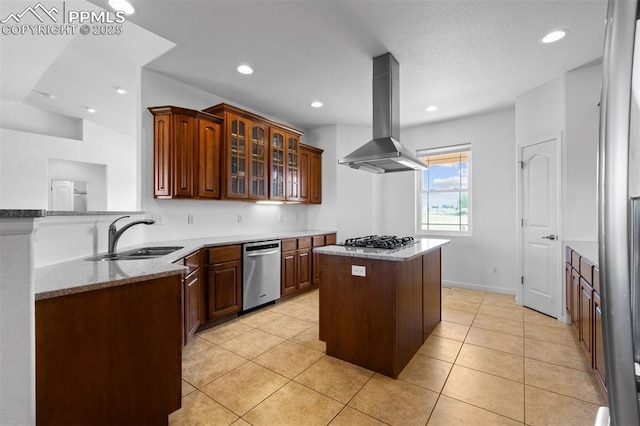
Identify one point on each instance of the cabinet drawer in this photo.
(318, 241)
(575, 260)
(304, 242)
(596, 279)
(586, 270)
(192, 262)
(290, 244)
(330, 239)
(224, 254)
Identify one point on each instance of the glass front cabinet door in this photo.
(237, 157)
(277, 167)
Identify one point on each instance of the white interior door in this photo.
(541, 290)
(61, 195)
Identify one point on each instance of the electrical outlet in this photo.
(359, 271)
(495, 269)
(190, 219)
(239, 218)
(297, 217)
(281, 218)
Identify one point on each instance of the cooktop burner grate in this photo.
(377, 241)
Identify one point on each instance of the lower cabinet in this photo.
(582, 292)
(110, 356)
(320, 241)
(224, 281)
(192, 284)
(295, 274)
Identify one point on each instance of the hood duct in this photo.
(384, 153)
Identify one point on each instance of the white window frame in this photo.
(418, 210)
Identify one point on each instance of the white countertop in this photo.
(586, 249)
(80, 275)
(421, 246)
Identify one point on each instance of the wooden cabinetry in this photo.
(293, 167)
(295, 273)
(110, 356)
(277, 166)
(310, 174)
(582, 292)
(192, 283)
(186, 148)
(224, 281)
(320, 241)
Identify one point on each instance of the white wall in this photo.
(25, 156)
(94, 174)
(210, 218)
(468, 261)
(580, 154)
(348, 196)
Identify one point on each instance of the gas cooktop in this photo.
(379, 241)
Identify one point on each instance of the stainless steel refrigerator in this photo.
(619, 212)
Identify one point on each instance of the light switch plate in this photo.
(358, 271)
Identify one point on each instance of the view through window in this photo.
(445, 190)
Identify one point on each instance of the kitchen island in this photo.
(378, 306)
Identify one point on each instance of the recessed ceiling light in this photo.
(554, 36)
(121, 91)
(316, 104)
(245, 69)
(432, 108)
(91, 110)
(122, 5)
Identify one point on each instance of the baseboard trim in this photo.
(478, 287)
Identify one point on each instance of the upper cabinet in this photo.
(186, 147)
(229, 153)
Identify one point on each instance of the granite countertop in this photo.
(80, 275)
(21, 213)
(421, 246)
(586, 249)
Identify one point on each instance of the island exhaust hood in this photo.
(384, 153)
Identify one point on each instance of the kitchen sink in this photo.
(139, 253)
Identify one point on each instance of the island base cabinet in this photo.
(432, 292)
(110, 356)
(377, 320)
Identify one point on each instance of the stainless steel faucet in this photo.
(114, 235)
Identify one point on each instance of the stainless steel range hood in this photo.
(384, 153)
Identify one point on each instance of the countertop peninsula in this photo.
(80, 275)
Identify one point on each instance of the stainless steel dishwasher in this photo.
(261, 273)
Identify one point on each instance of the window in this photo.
(444, 190)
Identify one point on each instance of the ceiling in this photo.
(464, 56)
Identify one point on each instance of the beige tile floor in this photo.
(489, 362)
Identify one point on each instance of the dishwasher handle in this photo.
(262, 253)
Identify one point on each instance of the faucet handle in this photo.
(113, 224)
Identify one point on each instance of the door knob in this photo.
(550, 237)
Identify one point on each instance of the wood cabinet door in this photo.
(162, 155)
(288, 273)
(304, 268)
(184, 152)
(567, 288)
(209, 139)
(293, 167)
(575, 298)
(304, 175)
(258, 161)
(236, 149)
(586, 318)
(225, 287)
(277, 166)
(192, 289)
(598, 342)
(315, 178)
